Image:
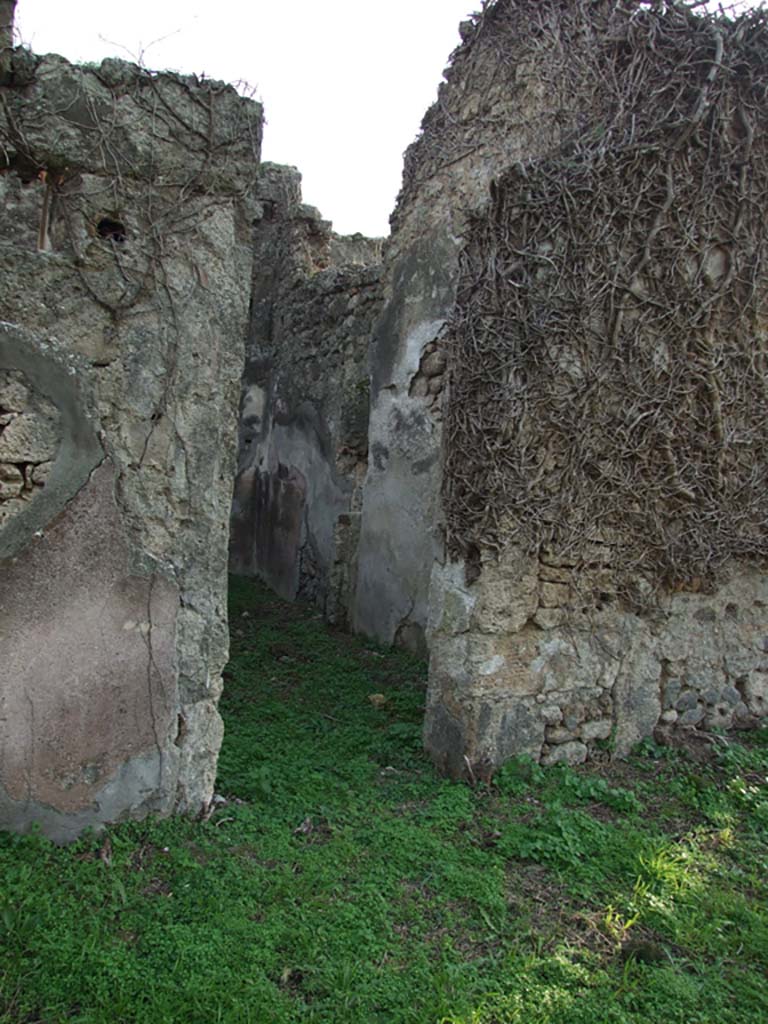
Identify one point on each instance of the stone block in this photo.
(444, 738)
(553, 595)
(672, 689)
(636, 695)
(572, 753)
(719, 717)
(558, 734)
(573, 716)
(551, 574)
(571, 662)
(29, 438)
(41, 473)
(14, 394)
(742, 714)
(503, 664)
(756, 693)
(686, 701)
(596, 730)
(419, 388)
(11, 481)
(507, 593)
(691, 717)
(519, 731)
(11, 508)
(549, 618)
(434, 364)
(550, 713)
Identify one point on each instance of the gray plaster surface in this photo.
(137, 340)
(88, 690)
(57, 375)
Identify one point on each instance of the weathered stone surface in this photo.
(600, 730)
(548, 618)
(691, 717)
(11, 508)
(553, 595)
(687, 701)
(400, 541)
(41, 473)
(606, 679)
(116, 551)
(521, 642)
(104, 119)
(566, 753)
(671, 692)
(559, 734)
(551, 714)
(400, 538)
(100, 693)
(304, 408)
(14, 393)
(756, 691)
(11, 481)
(434, 364)
(509, 595)
(29, 438)
(637, 697)
(451, 601)
(596, 669)
(730, 695)
(519, 732)
(445, 740)
(30, 434)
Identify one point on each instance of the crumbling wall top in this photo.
(119, 119)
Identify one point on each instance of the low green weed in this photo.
(343, 881)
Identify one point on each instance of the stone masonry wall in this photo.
(533, 651)
(529, 659)
(304, 408)
(499, 104)
(30, 433)
(125, 254)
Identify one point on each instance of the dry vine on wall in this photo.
(133, 164)
(130, 157)
(608, 351)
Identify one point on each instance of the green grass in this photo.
(344, 882)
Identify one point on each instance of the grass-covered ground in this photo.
(344, 882)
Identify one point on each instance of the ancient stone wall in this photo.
(30, 434)
(524, 514)
(506, 680)
(304, 409)
(501, 102)
(604, 468)
(125, 255)
(466, 446)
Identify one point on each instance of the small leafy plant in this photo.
(338, 879)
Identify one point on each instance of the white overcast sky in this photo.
(344, 82)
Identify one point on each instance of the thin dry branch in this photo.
(607, 353)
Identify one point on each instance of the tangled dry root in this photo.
(608, 350)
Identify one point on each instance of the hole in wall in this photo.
(111, 229)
